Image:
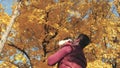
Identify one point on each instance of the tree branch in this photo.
(9, 27)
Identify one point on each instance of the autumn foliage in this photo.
(42, 23)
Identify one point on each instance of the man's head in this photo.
(84, 40)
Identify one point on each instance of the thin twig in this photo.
(27, 56)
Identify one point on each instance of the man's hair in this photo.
(84, 40)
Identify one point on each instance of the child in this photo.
(70, 55)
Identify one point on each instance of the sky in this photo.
(7, 4)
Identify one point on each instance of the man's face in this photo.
(76, 41)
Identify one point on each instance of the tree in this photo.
(42, 23)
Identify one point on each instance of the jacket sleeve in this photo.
(53, 59)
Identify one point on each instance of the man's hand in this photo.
(63, 42)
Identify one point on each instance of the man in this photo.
(71, 55)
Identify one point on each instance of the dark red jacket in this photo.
(68, 57)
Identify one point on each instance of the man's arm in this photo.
(53, 59)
